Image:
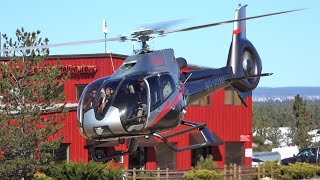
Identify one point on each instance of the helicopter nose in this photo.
(109, 125)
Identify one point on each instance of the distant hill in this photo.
(262, 94)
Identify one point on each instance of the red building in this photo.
(224, 113)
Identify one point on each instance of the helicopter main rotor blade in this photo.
(226, 22)
(144, 34)
(159, 26)
(121, 38)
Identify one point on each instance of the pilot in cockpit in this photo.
(140, 110)
(142, 93)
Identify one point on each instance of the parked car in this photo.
(308, 155)
(256, 161)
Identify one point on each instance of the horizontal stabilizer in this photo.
(243, 95)
(250, 76)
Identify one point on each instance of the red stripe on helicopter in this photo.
(164, 111)
(167, 108)
(238, 31)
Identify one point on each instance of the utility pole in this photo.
(105, 43)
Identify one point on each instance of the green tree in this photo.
(263, 129)
(29, 88)
(301, 123)
(269, 116)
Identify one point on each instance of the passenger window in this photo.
(167, 85)
(313, 152)
(304, 153)
(154, 85)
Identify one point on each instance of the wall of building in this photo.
(230, 123)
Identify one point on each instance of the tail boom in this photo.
(202, 83)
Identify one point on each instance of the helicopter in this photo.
(149, 94)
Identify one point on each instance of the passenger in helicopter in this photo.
(142, 91)
(92, 95)
(105, 97)
(89, 100)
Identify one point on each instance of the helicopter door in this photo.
(158, 93)
(155, 95)
(162, 88)
(132, 100)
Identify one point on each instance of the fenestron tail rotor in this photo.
(145, 34)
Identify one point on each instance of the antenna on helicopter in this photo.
(105, 31)
(134, 51)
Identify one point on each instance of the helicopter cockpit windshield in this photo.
(128, 97)
(132, 102)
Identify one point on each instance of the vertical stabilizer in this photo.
(239, 27)
(243, 57)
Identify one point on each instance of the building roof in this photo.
(99, 55)
(73, 56)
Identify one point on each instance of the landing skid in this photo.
(133, 143)
(205, 132)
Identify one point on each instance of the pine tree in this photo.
(29, 88)
(263, 129)
(300, 125)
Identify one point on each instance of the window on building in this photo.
(197, 153)
(231, 97)
(234, 152)
(118, 159)
(62, 153)
(79, 90)
(205, 101)
(166, 157)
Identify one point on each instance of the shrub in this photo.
(91, 170)
(206, 163)
(318, 170)
(267, 168)
(203, 174)
(146, 175)
(205, 169)
(41, 176)
(297, 171)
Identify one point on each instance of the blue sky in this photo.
(287, 44)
